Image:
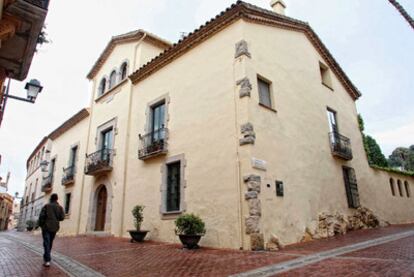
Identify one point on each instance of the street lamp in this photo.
(33, 88)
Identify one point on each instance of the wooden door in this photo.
(101, 209)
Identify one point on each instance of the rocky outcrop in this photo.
(329, 225)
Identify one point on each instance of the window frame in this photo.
(112, 83)
(123, 66)
(261, 79)
(325, 74)
(400, 190)
(392, 186)
(67, 207)
(102, 86)
(165, 214)
(351, 189)
(407, 189)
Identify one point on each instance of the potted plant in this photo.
(30, 224)
(138, 234)
(189, 228)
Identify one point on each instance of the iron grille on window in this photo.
(153, 143)
(99, 161)
(351, 187)
(68, 175)
(340, 145)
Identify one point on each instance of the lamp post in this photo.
(33, 88)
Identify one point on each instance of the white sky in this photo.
(371, 41)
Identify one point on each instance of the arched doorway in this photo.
(101, 209)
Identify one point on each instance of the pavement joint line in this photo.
(66, 264)
(317, 257)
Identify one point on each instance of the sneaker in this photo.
(46, 264)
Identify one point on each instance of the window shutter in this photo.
(351, 187)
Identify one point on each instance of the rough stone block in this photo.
(255, 207)
(252, 225)
(250, 195)
(248, 140)
(256, 242)
(252, 177)
(253, 186)
(248, 127)
(242, 49)
(245, 87)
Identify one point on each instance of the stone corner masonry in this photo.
(252, 222)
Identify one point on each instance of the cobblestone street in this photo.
(380, 252)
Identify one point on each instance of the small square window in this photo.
(325, 75)
(265, 96)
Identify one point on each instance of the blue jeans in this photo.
(48, 238)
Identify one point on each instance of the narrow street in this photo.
(380, 252)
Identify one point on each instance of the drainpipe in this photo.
(86, 151)
(238, 166)
(127, 139)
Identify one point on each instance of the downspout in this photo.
(127, 138)
(238, 169)
(86, 151)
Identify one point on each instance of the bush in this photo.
(189, 224)
(137, 213)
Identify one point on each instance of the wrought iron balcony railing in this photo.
(340, 146)
(47, 183)
(99, 162)
(44, 4)
(153, 144)
(68, 175)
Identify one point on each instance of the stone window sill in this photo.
(267, 107)
(329, 87)
(171, 215)
(109, 91)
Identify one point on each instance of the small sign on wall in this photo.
(259, 164)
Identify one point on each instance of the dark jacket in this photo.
(49, 217)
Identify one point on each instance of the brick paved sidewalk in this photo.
(119, 257)
(16, 260)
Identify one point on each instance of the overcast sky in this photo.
(371, 41)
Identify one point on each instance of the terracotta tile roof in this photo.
(59, 131)
(84, 113)
(124, 38)
(250, 13)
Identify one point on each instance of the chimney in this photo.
(278, 6)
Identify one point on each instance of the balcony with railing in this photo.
(340, 146)
(47, 183)
(153, 144)
(99, 162)
(68, 177)
(44, 4)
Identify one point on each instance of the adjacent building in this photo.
(6, 209)
(248, 122)
(21, 23)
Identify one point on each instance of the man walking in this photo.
(49, 218)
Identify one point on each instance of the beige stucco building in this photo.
(248, 122)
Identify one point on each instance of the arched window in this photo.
(399, 187)
(392, 186)
(124, 70)
(102, 87)
(112, 79)
(407, 189)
